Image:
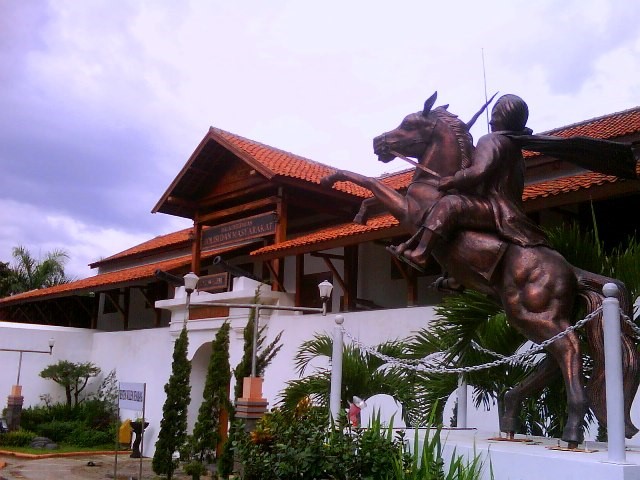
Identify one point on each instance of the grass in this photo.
(62, 449)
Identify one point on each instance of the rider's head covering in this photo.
(512, 111)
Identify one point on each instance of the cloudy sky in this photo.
(103, 101)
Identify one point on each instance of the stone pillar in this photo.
(252, 406)
(14, 407)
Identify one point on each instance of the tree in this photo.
(215, 397)
(363, 374)
(5, 279)
(29, 273)
(173, 426)
(73, 377)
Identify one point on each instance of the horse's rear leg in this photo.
(545, 372)
(566, 351)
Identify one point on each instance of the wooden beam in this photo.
(410, 278)
(277, 280)
(196, 247)
(181, 202)
(332, 256)
(127, 303)
(351, 277)
(245, 192)
(237, 210)
(114, 302)
(280, 236)
(299, 277)
(336, 274)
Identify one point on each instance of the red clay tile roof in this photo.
(286, 164)
(612, 125)
(557, 186)
(106, 281)
(160, 242)
(103, 281)
(351, 230)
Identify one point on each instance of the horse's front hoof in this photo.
(630, 430)
(573, 436)
(509, 424)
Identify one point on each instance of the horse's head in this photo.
(437, 138)
(410, 137)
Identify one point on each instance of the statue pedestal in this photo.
(251, 406)
(14, 407)
(534, 460)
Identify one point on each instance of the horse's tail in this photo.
(590, 289)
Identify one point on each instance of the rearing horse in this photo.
(536, 286)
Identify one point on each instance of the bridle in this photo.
(424, 139)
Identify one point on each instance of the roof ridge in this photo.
(264, 145)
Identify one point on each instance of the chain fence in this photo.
(432, 363)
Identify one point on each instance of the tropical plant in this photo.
(215, 398)
(29, 273)
(363, 375)
(173, 425)
(306, 445)
(73, 377)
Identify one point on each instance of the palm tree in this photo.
(363, 374)
(29, 273)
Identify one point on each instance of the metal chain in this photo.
(631, 323)
(422, 365)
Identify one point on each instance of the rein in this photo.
(425, 139)
(415, 164)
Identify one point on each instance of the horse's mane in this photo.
(460, 130)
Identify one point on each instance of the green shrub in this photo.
(59, 431)
(18, 438)
(90, 423)
(95, 414)
(84, 437)
(284, 447)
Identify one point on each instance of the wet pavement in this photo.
(91, 467)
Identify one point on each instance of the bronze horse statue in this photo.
(536, 286)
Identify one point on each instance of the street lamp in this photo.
(190, 282)
(15, 400)
(21, 351)
(325, 289)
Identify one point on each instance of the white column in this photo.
(336, 370)
(613, 374)
(462, 403)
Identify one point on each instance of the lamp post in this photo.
(15, 399)
(190, 282)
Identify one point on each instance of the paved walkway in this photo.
(93, 467)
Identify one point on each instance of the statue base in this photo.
(537, 457)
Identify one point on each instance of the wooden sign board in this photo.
(239, 230)
(216, 283)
